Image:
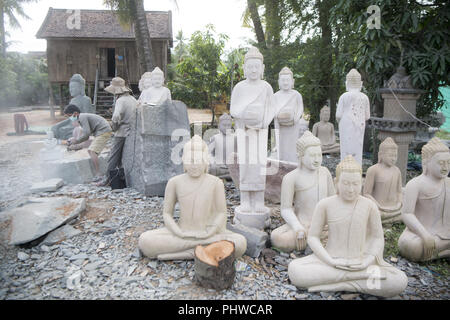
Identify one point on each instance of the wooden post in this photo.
(214, 265)
(51, 101)
(61, 106)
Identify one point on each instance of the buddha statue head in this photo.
(286, 79)
(436, 159)
(225, 123)
(253, 64)
(157, 78)
(76, 85)
(309, 151)
(353, 81)
(145, 81)
(348, 179)
(325, 114)
(387, 153)
(195, 157)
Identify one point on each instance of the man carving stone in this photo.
(63, 130)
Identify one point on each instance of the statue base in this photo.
(257, 220)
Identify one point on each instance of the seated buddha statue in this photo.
(352, 259)
(203, 211)
(426, 207)
(383, 183)
(324, 130)
(301, 189)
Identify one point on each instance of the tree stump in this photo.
(214, 265)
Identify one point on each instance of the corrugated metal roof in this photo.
(100, 24)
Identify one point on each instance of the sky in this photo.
(190, 16)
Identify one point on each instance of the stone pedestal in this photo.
(257, 220)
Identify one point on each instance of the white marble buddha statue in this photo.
(324, 130)
(301, 190)
(426, 207)
(289, 110)
(156, 94)
(145, 83)
(353, 110)
(203, 211)
(383, 183)
(252, 108)
(352, 259)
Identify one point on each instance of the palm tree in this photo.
(11, 9)
(132, 12)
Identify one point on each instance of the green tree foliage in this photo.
(10, 10)
(24, 81)
(413, 33)
(201, 77)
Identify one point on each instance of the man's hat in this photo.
(117, 86)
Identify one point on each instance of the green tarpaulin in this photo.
(446, 108)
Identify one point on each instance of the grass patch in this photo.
(391, 235)
(443, 134)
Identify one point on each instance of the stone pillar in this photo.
(396, 123)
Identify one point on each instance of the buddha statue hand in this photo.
(366, 262)
(301, 239)
(429, 247)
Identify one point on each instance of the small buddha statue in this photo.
(289, 110)
(144, 83)
(222, 145)
(426, 207)
(252, 108)
(301, 190)
(155, 94)
(353, 110)
(63, 130)
(383, 183)
(352, 259)
(324, 130)
(203, 211)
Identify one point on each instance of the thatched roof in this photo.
(101, 24)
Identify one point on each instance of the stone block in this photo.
(256, 239)
(39, 216)
(74, 168)
(47, 186)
